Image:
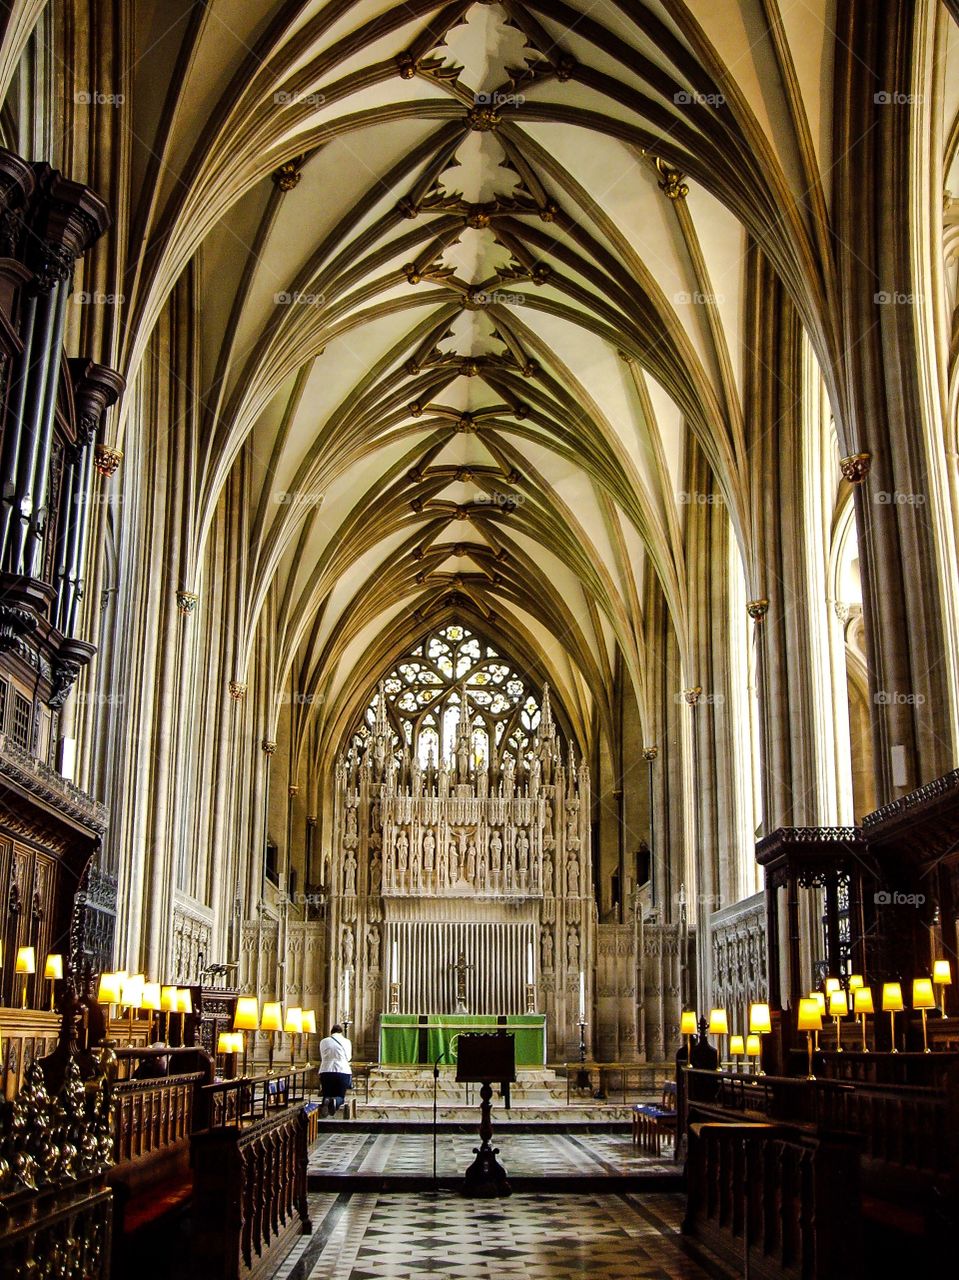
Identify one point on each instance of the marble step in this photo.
(558, 1113)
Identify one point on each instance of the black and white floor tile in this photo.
(525, 1237)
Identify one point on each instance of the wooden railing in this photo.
(649, 1077)
(251, 1098)
(249, 1198)
(64, 1232)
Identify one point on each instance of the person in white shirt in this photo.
(336, 1072)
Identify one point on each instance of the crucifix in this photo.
(461, 968)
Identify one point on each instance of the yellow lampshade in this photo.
(224, 1042)
(942, 973)
(832, 984)
(272, 1019)
(247, 1015)
(687, 1022)
(892, 998)
(184, 1000)
(855, 981)
(759, 1020)
(294, 1022)
(923, 996)
(131, 990)
(309, 1022)
(718, 1022)
(838, 1004)
(26, 960)
(809, 1017)
(736, 1046)
(108, 989)
(820, 1000)
(53, 969)
(862, 1000)
(150, 999)
(754, 1046)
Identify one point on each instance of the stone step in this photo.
(414, 1113)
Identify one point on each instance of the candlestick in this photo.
(582, 996)
(394, 963)
(530, 977)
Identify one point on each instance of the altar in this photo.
(408, 1039)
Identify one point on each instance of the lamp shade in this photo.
(718, 1022)
(942, 973)
(736, 1046)
(247, 1015)
(184, 1000)
(832, 984)
(892, 998)
(759, 1020)
(838, 1004)
(294, 1022)
(856, 981)
(224, 1041)
(131, 990)
(687, 1022)
(862, 1000)
(151, 996)
(809, 1017)
(923, 996)
(53, 969)
(754, 1046)
(309, 1021)
(820, 1000)
(272, 1019)
(168, 999)
(108, 988)
(26, 960)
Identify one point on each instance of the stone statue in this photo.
(348, 947)
(372, 947)
(429, 852)
(572, 877)
(453, 863)
(522, 852)
(441, 867)
(471, 861)
(496, 851)
(572, 948)
(483, 870)
(402, 852)
(548, 876)
(547, 949)
(349, 874)
(376, 874)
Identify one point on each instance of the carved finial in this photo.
(757, 609)
(692, 695)
(856, 467)
(650, 753)
(671, 182)
(186, 601)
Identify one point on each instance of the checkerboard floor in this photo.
(546, 1155)
(524, 1237)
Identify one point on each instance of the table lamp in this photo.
(718, 1024)
(150, 1001)
(293, 1027)
(184, 1005)
(131, 993)
(809, 1020)
(760, 1024)
(754, 1048)
(737, 1047)
(820, 1000)
(923, 998)
(272, 1022)
(832, 984)
(838, 1008)
(53, 973)
(687, 1028)
(246, 1018)
(862, 1004)
(892, 1004)
(26, 964)
(309, 1028)
(856, 981)
(168, 1006)
(941, 976)
(108, 992)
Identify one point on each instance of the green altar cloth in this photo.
(408, 1040)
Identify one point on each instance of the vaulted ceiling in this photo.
(470, 280)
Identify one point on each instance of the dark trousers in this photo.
(334, 1085)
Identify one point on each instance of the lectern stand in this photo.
(481, 1059)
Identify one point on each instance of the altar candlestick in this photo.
(394, 962)
(529, 963)
(582, 996)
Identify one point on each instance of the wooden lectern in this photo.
(482, 1058)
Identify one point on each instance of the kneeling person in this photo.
(336, 1073)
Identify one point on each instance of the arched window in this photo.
(425, 695)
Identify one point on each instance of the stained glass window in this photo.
(425, 692)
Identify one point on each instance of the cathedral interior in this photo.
(479, 573)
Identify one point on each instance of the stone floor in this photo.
(346, 1151)
(525, 1237)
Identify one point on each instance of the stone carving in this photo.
(372, 947)
(572, 948)
(547, 949)
(429, 852)
(548, 876)
(349, 874)
(572, 877)
(348, 947)
(402, 852)
(496, 853)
